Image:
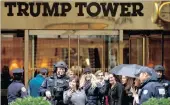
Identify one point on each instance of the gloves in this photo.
(48, 94)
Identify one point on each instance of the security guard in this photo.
(36, 82)
(54, 86)
(16, 89)
(150, 87)
(160, 71)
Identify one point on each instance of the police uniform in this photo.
(150, 88)
(166, 84)
(16, 89)
(36, 82)
(162, 80)
(56, 85)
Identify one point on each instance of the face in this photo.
(88, 76)
(143, 77)
(71, 74)
(100, 76)
(44, 75)
(106, 74)
(72, 84)
(60, 71)
(137, 82)
(112, 79)
(124, 79)
(159, 73)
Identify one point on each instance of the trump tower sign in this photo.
(111, 14)
(62, 8)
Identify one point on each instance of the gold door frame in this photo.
(62, 32)
(144, 48)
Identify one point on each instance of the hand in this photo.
(133, 91)
(106, 77)
(81, 85)
(69, 93)
(48, 94)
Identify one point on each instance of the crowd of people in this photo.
(64, 87)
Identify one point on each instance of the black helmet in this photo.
(60, 64)
(159, 68)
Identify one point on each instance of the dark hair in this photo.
(76, 79)
(18, 76)
(129, 84)
(116, 78)
(5, 72)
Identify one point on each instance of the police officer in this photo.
(150, 87)
(16, 89)
(36, 82)
(54, 86)
(160, 71)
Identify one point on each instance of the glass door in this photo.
(12, 57)
(137, 49)
(97, 49)
(154, 49)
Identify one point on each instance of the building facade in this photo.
(99, 42)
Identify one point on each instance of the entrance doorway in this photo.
(150, 48)
(98, 49)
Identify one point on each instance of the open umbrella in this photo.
(129, 70)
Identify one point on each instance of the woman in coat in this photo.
(114, 90)
(128, 84)
(74, 96)
(89, 83)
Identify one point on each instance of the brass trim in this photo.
(26, 57)
(69, 51)
(143, 51)
(78, 48)
(163, 4)
(155, 17)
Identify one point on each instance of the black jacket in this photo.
(93, 94)
(127, 96)
(56, 86)
(115, 94)
(102, 94)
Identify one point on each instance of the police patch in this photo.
(161, 91)
(23, 89)
(165, 84)
(145, 91)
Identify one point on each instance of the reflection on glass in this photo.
(78, 51)
(136, 50)
(12, 54)
(50, 50)
(166, 55)
(91, 51)
(73, 51)
(111, 50)
(155, 48)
